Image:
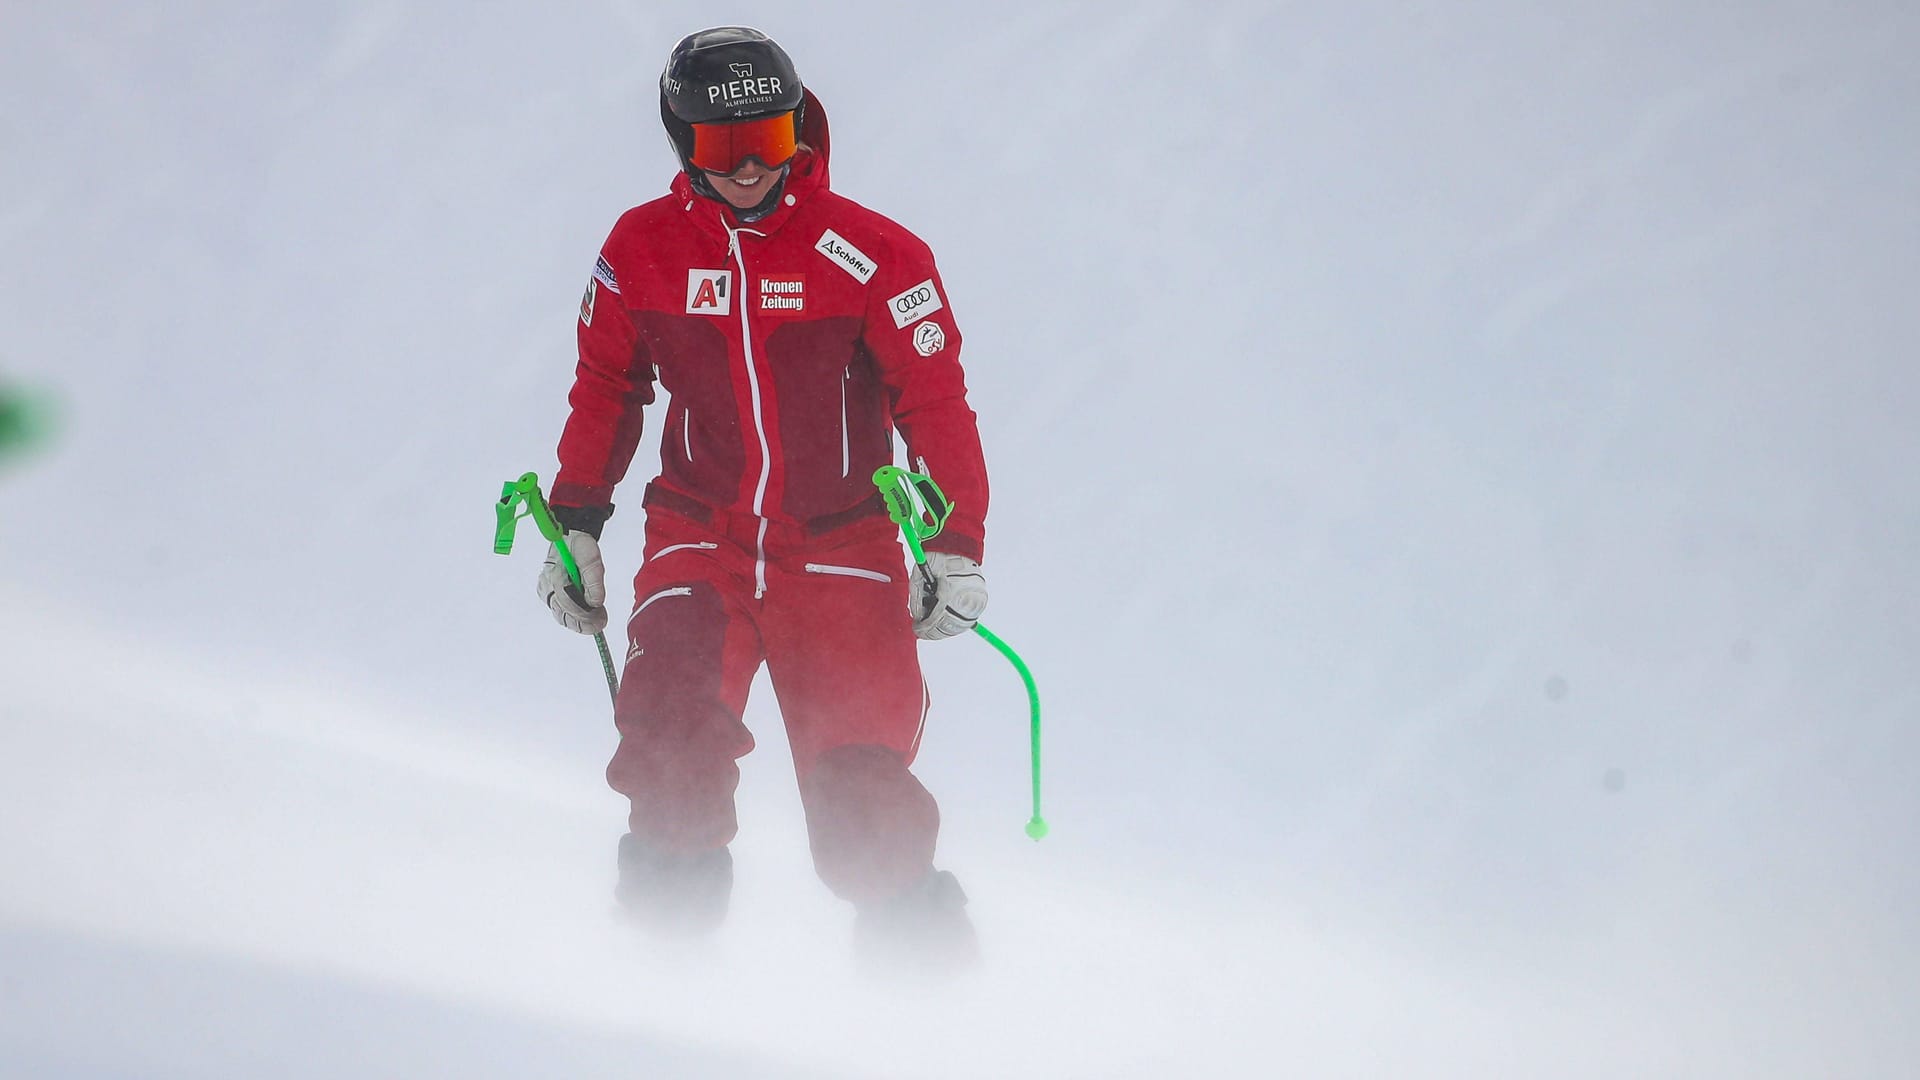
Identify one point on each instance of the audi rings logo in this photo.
(909, 300)
(915, 304)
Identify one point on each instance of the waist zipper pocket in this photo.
(846, 571)
(678, 590)
(704, 545)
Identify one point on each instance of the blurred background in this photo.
(1453, 479)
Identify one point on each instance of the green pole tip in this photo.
(1036, 829)
(26, 418)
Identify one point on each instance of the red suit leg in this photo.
(845, 665)
(693, 650)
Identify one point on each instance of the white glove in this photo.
(581, 608)
(949, 595)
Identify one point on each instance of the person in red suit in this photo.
(794, 331)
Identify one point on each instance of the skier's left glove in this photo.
(949, 595)
(580, 608)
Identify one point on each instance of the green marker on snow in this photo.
(522, 499)
(920, 508)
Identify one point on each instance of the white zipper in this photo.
(846, 571)
(677, 590)
(704, 545)
(759, 424)
(686, 432)
(846, 460)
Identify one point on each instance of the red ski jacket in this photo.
(791, 346)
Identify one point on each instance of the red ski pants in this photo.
(828, 616)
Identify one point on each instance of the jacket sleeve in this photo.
(612, 383)
(911, 333)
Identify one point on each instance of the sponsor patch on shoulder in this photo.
(928, 338)
(916, 303)
(709, 292)
(586, 304)
(846, 256)
(604, 273)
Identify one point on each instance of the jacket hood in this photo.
(813, 132)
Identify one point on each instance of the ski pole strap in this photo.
(522, 499)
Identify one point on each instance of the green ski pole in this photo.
(521, 499)
(920, 508)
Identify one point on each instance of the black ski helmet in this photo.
(722, 74)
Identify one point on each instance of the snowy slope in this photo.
(1452, 477)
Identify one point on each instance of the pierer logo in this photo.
(783, 294)
(916, 303)
(847, 257)
(742, 71)
(709, 292)
(744, 90)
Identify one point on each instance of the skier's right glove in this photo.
(580, 608)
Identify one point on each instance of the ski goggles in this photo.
(723, 148)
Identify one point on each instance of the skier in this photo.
(795, 330)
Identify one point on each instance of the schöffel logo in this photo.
(783, 293)
(916, 303)
(849, 258)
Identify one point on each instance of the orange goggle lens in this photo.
(722, 148)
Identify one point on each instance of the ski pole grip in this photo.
(915, 503)
(522, 499)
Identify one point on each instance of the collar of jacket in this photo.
(807, 175)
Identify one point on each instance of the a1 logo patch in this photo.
(709, 292)
(786, 294)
